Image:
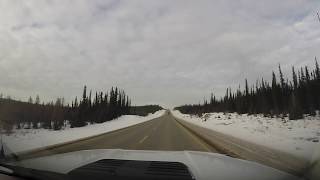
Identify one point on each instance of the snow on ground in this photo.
(297, 137)
(28, 139)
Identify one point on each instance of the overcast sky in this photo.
(167, 52)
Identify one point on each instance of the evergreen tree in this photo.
(295, 97)
(317, 70)
(275, 94)
(295, 110)
(37, 100)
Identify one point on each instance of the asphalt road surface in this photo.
(167, 133)
(163, 133)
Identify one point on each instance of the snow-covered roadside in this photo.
(297, 137)
(28, 139)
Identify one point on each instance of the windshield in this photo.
(239, 79)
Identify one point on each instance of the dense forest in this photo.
(144, 110)
(281, 97)
(90, 108)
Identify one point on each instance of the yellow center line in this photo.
(143, 139)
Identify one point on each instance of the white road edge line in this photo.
(194, 137)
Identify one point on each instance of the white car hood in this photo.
(203, 165)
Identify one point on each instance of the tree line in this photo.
(295, 97)
(90, 108)
(144, 110)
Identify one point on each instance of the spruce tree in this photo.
(275, 95)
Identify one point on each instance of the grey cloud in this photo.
(167, 52)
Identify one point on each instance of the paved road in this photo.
(163, 133)
(167, 133)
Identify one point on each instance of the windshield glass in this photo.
(236, 78)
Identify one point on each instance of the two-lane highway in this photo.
(163, 133)
(168, 134)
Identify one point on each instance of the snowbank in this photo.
(28, 139)
(297, 137)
